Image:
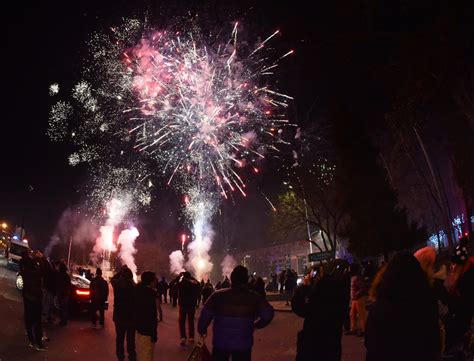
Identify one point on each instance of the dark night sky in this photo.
(45, 44)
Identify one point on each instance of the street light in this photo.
(4, 225)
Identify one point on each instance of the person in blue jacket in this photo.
(236, 312)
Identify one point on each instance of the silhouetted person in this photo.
(207, 291)
(322, 303)
(225, 283)
(173, 287)
(146, 317)
(32, 299)
(49, 287)
(162, 288)
(234, 311)
(281, 280)
(403, 321)
(188, 289)
(99, 294)
(290, 284)
(260, 287)
(63, 291)
(123, 315)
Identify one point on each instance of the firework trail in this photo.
(196, 109)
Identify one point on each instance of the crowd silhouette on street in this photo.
(412, 308)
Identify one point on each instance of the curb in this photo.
(282, 310)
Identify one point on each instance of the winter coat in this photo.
(99, 290)
(162, 287)
(146, 321)
(234, 311)
(207, 292)
(399, 332)
(290, 281)
(323, 306)
(63, 286)
(123, 301)
(49, 276)
(403, 321)
(32, 281)
(188, 292)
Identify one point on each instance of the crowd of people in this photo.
(412, 308)
(235, 305)
(46, 285)
(403, 309)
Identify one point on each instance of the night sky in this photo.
(45, 44)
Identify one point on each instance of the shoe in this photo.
(183, 342)
(40, 348)
(100, 326)
(45, 338)
(191, 340)
(32, 345)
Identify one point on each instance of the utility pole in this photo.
(69, 253)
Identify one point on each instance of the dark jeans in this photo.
(189, 313)
(121, 331)
(347, 319)
(48, 304)
(97, 306)
(34, 330)
(165, 297)
(63, 304)
(174, 300)
(223, 355)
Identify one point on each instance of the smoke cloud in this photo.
(72, 223)
(176, 262)
(117, 209)
(127, 251)
(228, 265)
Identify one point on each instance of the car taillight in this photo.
(83, 292)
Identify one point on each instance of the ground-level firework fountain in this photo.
(107, 243)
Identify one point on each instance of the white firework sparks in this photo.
(195, 109)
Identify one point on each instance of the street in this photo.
(79, 341)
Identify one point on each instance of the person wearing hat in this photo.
(461, 302)
(99, 294)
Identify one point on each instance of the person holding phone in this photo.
(321, 301)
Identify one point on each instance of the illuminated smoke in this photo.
(117, 209)
(228, 265)
(127, 251)
(176, 262)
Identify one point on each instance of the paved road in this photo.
(79, 342)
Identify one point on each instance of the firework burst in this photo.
(195, 109)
